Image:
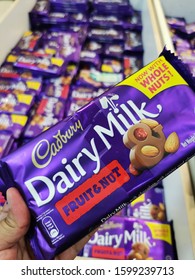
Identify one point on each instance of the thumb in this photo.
(15, 225)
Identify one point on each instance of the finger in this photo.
(16, 223)
(73, 251)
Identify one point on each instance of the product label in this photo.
(92, 191)
(154, 78)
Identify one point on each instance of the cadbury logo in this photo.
(44, 151)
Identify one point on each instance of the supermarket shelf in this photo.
(178, 186)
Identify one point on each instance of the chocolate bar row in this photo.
(183, 37)
(56, 69)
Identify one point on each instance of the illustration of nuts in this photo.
(140, 134)
(151, 123)
(172, 143)
(149, 151)
(161, 216)
(161, 206)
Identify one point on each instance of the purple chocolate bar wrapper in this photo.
(6, 141)
(16, 103)
(20, 85)
(13, 123)
(38, 124)
(113, 6)
(149, 206)
(51, 106)
(30, 41)
(105, 20)
(78, 174)
(132, 239)
(41, 7)
(45, 66)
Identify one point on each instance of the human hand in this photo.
(14, 224)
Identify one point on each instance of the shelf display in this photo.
(123, 238)
(87, 52)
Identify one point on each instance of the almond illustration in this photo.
(151, 123)
(172, 143)
(149, 151)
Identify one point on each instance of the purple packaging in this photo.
(38, 124)
(187, 56)
(69, 5)
(190, 29)
(81, 30)
(114, 50)
(112, 65)
(75, 104)
(106, 35)
(180, 43)
(20, 86)
(80, 96)
(44, 66)
(149, 206)
(96, 78)
(51, 106)
(88, 93)
(122, 238)
(133, 41)
(77, 18)
(84, 169)
(56, 89)
(132, 63)
(6, 141)
(133, 21)
(177, 23)
(93, 46)
(69, 48)
(192, 69)
(9, 72)
(41, 7)
(100, 20)
(16, 103)
(13, 123)
(90, 57)
(112, 6)
(29, 42)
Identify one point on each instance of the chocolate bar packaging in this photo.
(29, 41)
(149, 206)
(112, 6)
(44, 66)
(13, 123)
(122, 238)
(41, 7)
(16, 103)
(83, 170)
(39, 123)
(6, 142)
(20, 85)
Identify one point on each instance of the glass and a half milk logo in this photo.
(109, 102)
(143, 212)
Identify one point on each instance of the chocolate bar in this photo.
(122, 238)
(83, 170)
